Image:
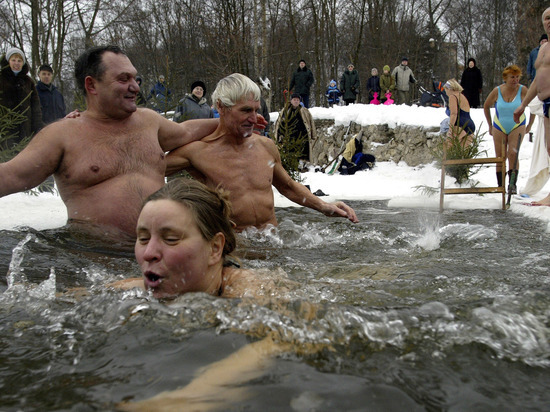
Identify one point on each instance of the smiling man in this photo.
(110, 158)
(244, 163)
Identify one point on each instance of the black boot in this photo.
(499, 179)
(512, 180)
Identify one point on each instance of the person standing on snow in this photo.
(472, 82)
(403, 76)
(302, 80)
(350, 84)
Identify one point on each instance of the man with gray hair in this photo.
(244, 163)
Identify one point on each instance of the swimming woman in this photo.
(461, 124)
(184, 241)
(507, 98)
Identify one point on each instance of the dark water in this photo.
(408, 310)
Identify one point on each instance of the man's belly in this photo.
(114, 203)
(543, 82)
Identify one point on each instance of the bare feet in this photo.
(543, 202)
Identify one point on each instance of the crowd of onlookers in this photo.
(42, 103)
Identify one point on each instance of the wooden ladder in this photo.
(481, 160)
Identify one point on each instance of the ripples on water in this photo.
(408, 310)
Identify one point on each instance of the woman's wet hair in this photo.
(210, 208)
(233, 88)
(512, 69)
(452, 84)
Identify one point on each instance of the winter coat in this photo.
(472, 82)
(307, 119)
(159, 90)
(191, 108)
(531, 72)
(333, 93)
(387, 83)
(51, 102)
(373, 86)
(350, 84)
(403, 76)
(302, 79)
(14, 90)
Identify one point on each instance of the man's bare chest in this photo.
(543, 58)
(95, 157)
(250, 168)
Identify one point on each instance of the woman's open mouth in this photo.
(151, 280)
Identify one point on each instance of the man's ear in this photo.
(216, 248)
(89, 85)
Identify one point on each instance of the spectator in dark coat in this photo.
(302, 80)
(350, 84)
(194, 105)
(531, 72)
(161, 95)
(373, 85)
(52, 103)
(18, 92)
(472, 82)
(140, 98)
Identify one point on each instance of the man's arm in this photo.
(35, 163)
(531, 93)
(173, 135)
(301, 195)
(177, 160)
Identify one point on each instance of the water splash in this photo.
(16, 272)
(430, 238)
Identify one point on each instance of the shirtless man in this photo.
(540, 87)
(110, 158)
(245, 164)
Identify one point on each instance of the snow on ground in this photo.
(395, 182)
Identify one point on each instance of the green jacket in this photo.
(387, 83)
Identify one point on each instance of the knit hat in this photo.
(15, 50)
(199, 83)
(543, 37)
(295, 96)
(386, 67)
(404, 59)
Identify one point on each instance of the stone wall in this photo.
(412, 145)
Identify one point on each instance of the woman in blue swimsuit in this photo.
(461, 124)
(507, 98)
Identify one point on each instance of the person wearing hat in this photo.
(531, 72)
(194, 105)
(403, 76)
(301, 82)
(296, 123)
(51, 99)
(472, 82)
(140, 98)
(373, 85)
(18, 92)
(387, 84)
